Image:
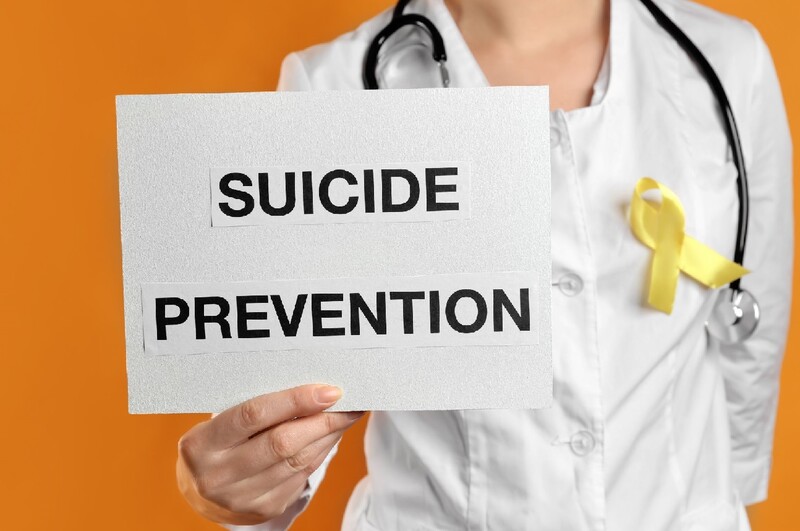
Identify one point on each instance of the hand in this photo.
(249, 463)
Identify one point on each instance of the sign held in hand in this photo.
(276, 239)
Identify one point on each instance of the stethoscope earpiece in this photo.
(399, 20)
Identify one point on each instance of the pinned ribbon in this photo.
(661, 228)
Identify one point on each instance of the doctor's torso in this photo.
(639, 435)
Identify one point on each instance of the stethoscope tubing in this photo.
(439, 53)
(729, 121)
(746, 316)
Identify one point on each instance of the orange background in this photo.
(72, 458)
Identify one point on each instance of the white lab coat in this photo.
(654, 426)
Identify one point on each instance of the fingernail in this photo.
(353, 415)
(326, 394)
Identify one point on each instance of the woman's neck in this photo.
(559, 43)
(526, 25)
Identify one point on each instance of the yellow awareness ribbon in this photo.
(661, 228)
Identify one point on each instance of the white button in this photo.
(582, 443)
(555, 136)
(570, 284)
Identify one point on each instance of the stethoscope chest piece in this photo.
(734, 317)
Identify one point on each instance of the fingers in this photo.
(288, 447)
(248, 463)
(266, 495)
(237, 424)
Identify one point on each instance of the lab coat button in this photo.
(582, 443)
(570, 284)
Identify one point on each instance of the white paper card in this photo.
(393, 243)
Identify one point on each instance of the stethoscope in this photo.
(735, 314)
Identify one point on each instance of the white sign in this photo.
(393, 243)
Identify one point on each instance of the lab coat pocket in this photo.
(720, 516)
(711, 212)
(717, 208)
